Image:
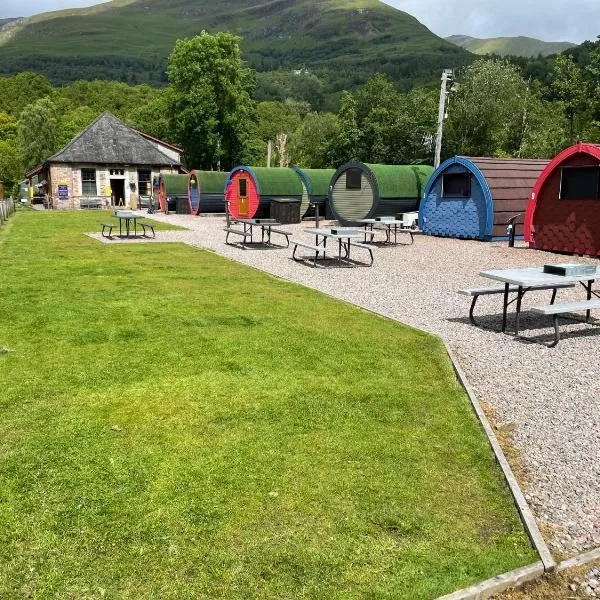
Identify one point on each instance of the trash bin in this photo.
(285, 210)
(182, 205)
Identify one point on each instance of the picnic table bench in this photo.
(556, 310)
(145, 227)
(108, 226)
(346, 238)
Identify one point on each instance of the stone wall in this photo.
(66, 188)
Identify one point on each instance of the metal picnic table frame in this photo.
(398, 226)
(266, 225)
(526, 279)
(341, 234)
(127, 216)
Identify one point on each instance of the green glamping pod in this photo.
(173, 193)
(315, 183)
(364, 191)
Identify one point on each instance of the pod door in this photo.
(243, 197)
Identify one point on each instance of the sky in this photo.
(548, 20)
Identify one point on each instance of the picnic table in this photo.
(267, 227)
(386, 224)
(523, 280)
(127, 216)
(344, 237)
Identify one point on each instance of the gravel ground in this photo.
(548, 396)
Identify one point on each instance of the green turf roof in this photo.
(401, 181)
(175, 185)
(212, 182)
(317, 180)
(277, 181)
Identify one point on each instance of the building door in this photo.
(117, 192)
(243, 200)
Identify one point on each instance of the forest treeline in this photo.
(212, 109)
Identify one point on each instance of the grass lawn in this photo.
(175, 425)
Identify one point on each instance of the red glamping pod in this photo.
(563, 214)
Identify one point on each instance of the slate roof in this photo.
(107, 140)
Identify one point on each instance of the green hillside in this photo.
(345, 41)
(513, 46)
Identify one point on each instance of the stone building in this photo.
(108, 164)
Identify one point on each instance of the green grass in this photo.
(176, 425)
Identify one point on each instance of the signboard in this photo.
(63, 192)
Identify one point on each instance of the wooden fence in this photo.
(7, 208)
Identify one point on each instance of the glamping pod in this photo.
(315, 184)
(474, 198)
(564, 211)
(172, 193)
(206, 191)
(249, 190)
(362, 191)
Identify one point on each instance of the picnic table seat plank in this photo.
(556, 310)
(146, 226)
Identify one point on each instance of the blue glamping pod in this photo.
(474, 198)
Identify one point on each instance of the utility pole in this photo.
(447, 76)
(269, 152)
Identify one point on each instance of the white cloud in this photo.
(550, 20)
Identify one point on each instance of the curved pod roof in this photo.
(581, 214)
(206, 191)
(382, 190)
(501, 190)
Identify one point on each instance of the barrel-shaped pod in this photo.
(563, 214)
(315, 187)
(365, 191)
(475, 198)
(172, 193)
(206, 191)
(249, 190)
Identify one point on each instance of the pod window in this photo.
(353, 179)
(456, 185)
(580, 183)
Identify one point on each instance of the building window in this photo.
(579, 183)
(456, 185)
(144, 182)
(353, 179)
(88, 182)
(242, 187)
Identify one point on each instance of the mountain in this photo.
(343, 41)
(514, 46)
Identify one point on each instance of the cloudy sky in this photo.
(550, 20)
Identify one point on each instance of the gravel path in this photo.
(550, 397)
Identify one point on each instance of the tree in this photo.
(567, 87)
(22, 89)
(312, 144)
(345, 145)
(486, 113)
(210, 105)
(39, 134)
(11, 167)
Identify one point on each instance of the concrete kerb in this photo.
(579, 560)
(498, 584)
(526, 515)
